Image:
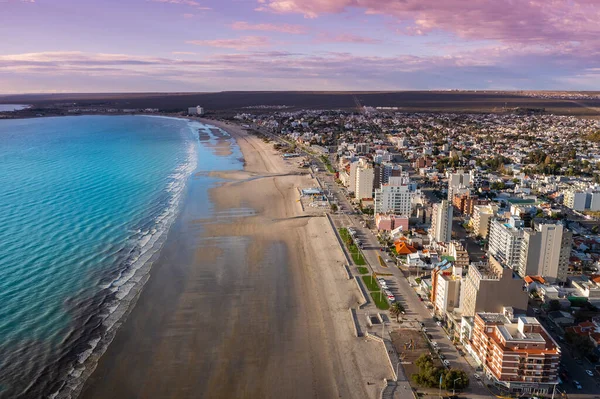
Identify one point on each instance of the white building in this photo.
(505, 240)
(197, 110)
(575, 200)
(545, 251)
(365, 177)
(482, 216)
(397, 196)
(441, 222)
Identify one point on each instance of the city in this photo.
(497, 255)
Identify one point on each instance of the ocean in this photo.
(86, 203)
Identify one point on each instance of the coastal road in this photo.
(404, 293)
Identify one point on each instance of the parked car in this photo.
(446, 363)
(590, 373)
(439, 323)
(577, 384)
(477, 376)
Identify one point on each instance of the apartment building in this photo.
(489, 287)
(459, 253)
(575, 200)
(482, 217)
(397, 196)
(545, 251)
(465, 203)
(365, 177)
(517, 353)
(441, 222)
(458, 181)
(505, 240)
(445, 288)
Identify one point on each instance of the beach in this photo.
(249, 302)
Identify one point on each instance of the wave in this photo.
(119, 292)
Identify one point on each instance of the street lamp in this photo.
(454, 385)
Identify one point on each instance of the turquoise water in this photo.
(85, 204)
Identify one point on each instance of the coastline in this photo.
(248, 302)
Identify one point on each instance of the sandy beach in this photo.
(251, 302)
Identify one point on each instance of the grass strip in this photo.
(380, 300)
(371, 283)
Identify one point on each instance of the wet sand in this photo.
(250, 302)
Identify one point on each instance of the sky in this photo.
(329, 45)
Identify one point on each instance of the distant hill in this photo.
(408, 101)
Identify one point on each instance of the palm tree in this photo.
(397, 309)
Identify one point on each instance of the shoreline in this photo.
(239, 296)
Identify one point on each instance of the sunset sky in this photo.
(214, 45)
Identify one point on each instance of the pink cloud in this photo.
(282, 28)
(515, 21)
(345, 38)
(191, 3)
(240, 43)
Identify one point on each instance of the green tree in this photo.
(397, 309)
(454, 379)
(334, 208)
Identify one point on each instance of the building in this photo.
(491, 287)
(397, 196)
(197, 110)
(458, 181)
(505, 240)
(365, 177)
(459, 254)
(441, 222)
(385, 222)
(545, 251)
(517, 353)
(482, 217)
(465, 203)
(445, 288)
(575, 200)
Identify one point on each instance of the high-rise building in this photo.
(365, 176)
(459, 254)
(491, 287)
(396, 196)
(518, 353)
(459, 181)
(441, 222)
(575, 200)
(445, 288)
(505, 239)
(482, 217)
(545, 251)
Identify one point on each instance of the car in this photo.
(422, 324)
(577, 384)
(420, 298)
(442, 356)
(439, 323)
(392, 298)
(387, 292)
(578, 361)
(446, 363)
(434, 344)
(477, 376)
(590, 373)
